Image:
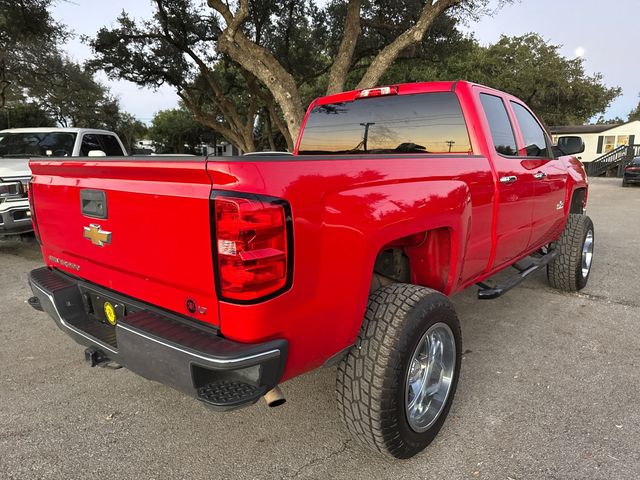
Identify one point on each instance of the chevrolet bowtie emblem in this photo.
(96, 235)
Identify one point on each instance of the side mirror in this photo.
(97, 153)
(571, 145)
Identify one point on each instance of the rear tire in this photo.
(570, 270)
(396, 385)
(625, 184)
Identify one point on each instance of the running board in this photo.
(489, 292)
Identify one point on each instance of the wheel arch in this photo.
(426, 222)
(578, 200)
(424, 258)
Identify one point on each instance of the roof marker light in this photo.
(378, 92)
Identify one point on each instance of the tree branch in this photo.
(267, 101)
(261, 63)
(411, 36)
(342, 62)
(209, 121)
(228, 109)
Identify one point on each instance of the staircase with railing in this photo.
(613, 161)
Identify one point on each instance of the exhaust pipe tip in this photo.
(274, 397)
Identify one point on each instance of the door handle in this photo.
(539, 175)
(508, 179)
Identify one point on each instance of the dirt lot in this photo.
(549, 389)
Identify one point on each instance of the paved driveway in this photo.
(550, 388)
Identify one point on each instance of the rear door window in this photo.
(111, 146)
(394, 124)
(535, 140)
(504, 140)
(90, 142)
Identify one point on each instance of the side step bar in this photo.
(489, 292)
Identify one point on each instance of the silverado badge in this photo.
(96, 235)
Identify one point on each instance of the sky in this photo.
(605, 34)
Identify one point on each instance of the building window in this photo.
(609, 143)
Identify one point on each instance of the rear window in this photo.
(420, 123)
(37, 144)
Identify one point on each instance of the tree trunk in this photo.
(256, 59)
(261, 63)
(344, 58)
(267, 121)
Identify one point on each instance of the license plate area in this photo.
(105, 309)
(102, 314)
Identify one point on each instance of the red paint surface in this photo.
(457, 223)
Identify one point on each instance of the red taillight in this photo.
(252, 247)
(378, 92)
(632, 168)
(34, 221)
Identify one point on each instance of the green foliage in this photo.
(128, 128)
(608, 121)
(177, 46)
(176, 131)
(557, 88)
(154, 52)
(28, 34)
(70, 94)
(25, 115)
(180, 39)
(40, 86)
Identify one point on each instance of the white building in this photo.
(600, 139)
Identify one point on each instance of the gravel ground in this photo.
(549, 389)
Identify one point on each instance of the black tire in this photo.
(565, 272)
(371, 378)
(625, 184)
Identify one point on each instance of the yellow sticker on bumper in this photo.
(110, 313)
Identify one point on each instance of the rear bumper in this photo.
(631, 178)
(15, 218)
(162, 346)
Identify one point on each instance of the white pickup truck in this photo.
(18, 145)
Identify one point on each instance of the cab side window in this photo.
(504, 139)
(111, 146)
(535, 140)
(89, 142)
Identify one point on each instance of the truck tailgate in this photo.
(153, 242)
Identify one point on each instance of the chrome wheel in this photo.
(587, 254)
(429, 377)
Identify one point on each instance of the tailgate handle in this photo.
(93, 203)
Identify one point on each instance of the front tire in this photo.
(396, 385)
(570, 270)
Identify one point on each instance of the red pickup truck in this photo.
(224, 277)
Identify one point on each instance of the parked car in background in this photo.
(17, 145)
(631, 173)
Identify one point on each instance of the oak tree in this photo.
(242, 64)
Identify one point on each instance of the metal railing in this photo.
(615, 159)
